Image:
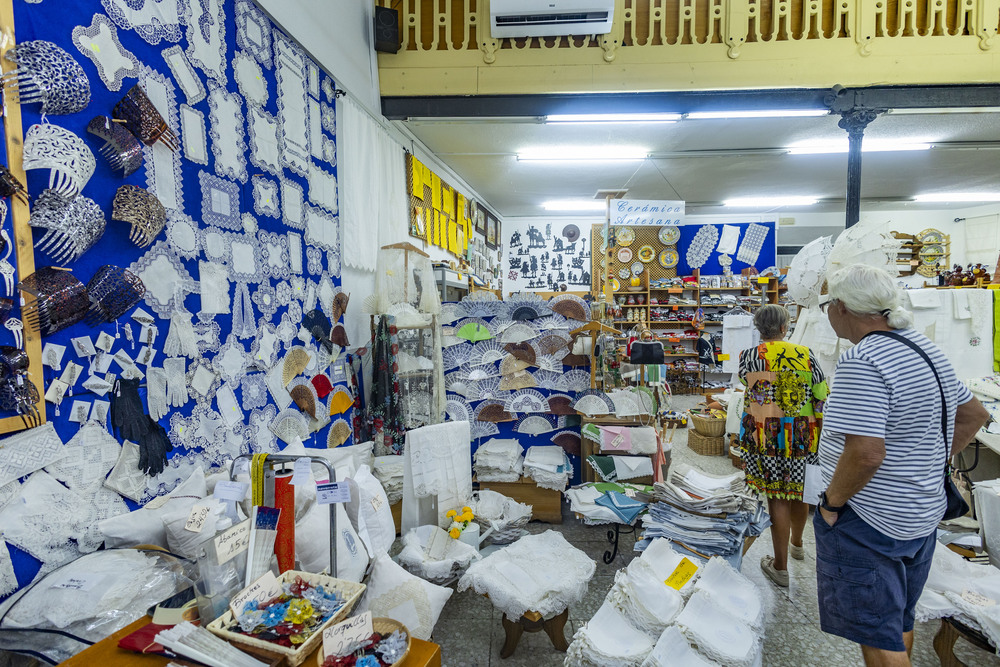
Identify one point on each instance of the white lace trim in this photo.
(264, 140)
(292, 109)
(266, 200)
(228, 142)
(165, 278)
(253, 32)
(206, 35)
(220, 202)
(193, 135)
(250, 79)
(99, 42)
(184, 74)
(28, 451)
(163, 166)
(151, 20)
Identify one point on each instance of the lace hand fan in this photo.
(551, 380)
(560, 404)
(511, 365)
(460, 387)
(571, 306)
(483, 429)
(478, 373)
(593, 403)
(534, 425)
(521, 351)
(553, 322)
(339, 433)
(487, 389)
(568, 440)
(549, 362)
(518, 332)
(527, 400)
(518, 380)
(458, 410)
(487, 352)
(500, 324)
(304, 396)
(482, 304)
(290, 426)
(577, 380)
(294, 364)
(554, 344)
(626, 403)
(451, 312)
(453, 357)
(492, 411)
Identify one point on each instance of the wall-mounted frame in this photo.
(492, 231)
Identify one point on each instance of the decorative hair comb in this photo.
(143, 120)
(10, 186)
(72, 226)
(12, 360)
(142, 210)
(112, 291)
(56, 148)
(18, 394)
(60, 300)
(46, 73)
(121, 149)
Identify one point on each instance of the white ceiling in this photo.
(706, 161)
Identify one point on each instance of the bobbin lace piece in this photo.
(51, 147)
(165, 278)
(274, 253)
(228, 143)
(151, 20)
(48, 74)
(702, 246)
(322, 188)
(260, 437)
(72, 226)
(328, 89)
(143, 120)
(220, 202)
(206, 35)
(264, 140)
(295, 252)
(287, 329)
(292, 105)
(265, 346)
(182, 235)
(323, 230)
(244, 322)
(60, 300)
(314, 260)
(328, 118)
(203, 382)
(141, 209)
(265, 197)
(330, 151)
(294, 204)
(121, 149)
(42, 518)
(99, 42)
(113, 291)
(253, 388)
(253, 32)
(266, 301)
(214, 290)
(250, 79)
(753, 241)
(193, 135)
(232, 361)
(184, 74)
(28, 451)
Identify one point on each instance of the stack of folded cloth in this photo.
(632, 439)
(499, 461)
(608, 502)
(714, 618)
(963, 590)
(504, 516)
(389, 472)
(549, 466)
(621, 468)
(704, 515)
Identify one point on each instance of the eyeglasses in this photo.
(823, 306)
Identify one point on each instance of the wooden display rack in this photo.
(546, 504)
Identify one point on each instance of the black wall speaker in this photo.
(386, 30)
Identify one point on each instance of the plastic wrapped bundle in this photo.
(499, 461)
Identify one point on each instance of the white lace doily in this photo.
(702, 246)
(322, 188)
(274, 253)
(203, 381)
(291, 73)
(25, 452)
(194, 137)
(253, 389)
(126, 478)
(220, 202)
(229, 145)
(314, 261)
(244, 321)
(206, 36)
(295, 252)
(266, 199)
(232, 361)
(8, 579)
(264, 348)
(70, 161)
(253, 32)
(264, 140)
(90, 456)
(165, 278)
(214, 289)
(99, 42)
(753, 241)
(42, 517)
(330, 151)
(265, 300)
(184, 74)
(182, 235)
(250, 79)
(294, 213)
(151, 20)
(328, 118)
(259, 436)
(322, 230)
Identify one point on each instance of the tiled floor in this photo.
(470, 633)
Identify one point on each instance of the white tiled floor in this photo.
(470, 633)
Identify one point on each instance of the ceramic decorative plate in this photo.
(669, 234)
(638, 268)
(624, 255)
(929, 250)
(930, 236)
(615, 285)
(624, 274)
(646, 254)
(624, 236)
(668, 258)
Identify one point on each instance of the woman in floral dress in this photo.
(783, 411)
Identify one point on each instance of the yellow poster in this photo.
(448, 201)
(435, 192)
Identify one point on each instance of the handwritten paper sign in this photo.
(232, 542)
(79, 582)
(681, 574)
(343, 638)
(301, 471)
(336, 492)
(263, 589)
(227, 490)
(196, 519)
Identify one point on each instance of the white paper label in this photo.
(300, 473)
(227, 490)
(78, 582)
(343, 638)
(105, 342)
(197, 517)
(233, 541)
(337, 492)
(80, 411)
(263, 589)
(377, 503)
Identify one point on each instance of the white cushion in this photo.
(395, 593)
(378, 530)
(312, 544)
(145, 525)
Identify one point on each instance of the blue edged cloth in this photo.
(625, 508)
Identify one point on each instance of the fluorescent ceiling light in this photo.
(942, 110)
(613, 118)
(576, 153)
(574, 205)
(867, 146)
(769, 202)
(761, 113)
(958, 197)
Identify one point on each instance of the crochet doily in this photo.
(99, 42)
(184, 74)
(253, 389)
(151, 20)
(702, 246)
(182, 235)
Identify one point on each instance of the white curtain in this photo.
(372, 173)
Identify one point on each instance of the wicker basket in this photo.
(349, 590)
(383, 626)
(705, 445)
(708, 426)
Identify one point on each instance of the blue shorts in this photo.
(868, 582)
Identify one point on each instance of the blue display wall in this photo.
(251, 199)
(766, 257)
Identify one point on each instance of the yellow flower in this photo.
(467, 517)
(466, 509)
(451, 513)
(454, 532)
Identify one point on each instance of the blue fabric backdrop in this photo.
(767, 257)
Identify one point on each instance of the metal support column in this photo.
(855, 122)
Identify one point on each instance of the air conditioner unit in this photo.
(544, 18)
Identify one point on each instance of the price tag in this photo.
(377, 503)
(232, 542)
(301, 471)
(336, 492)
(242, 467)
(227, 490)
(80, 582)
(723, 357)
(681, 574)
(343, 638)
(675, 290)
(762, 281)
(263, 589)
(618, 441)
(197, 517)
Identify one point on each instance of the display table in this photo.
(948, 634)
(106, 652)
(588, 447)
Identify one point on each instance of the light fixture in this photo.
(769, 202)
(756, 113)
(867, 146)
(613, 118)
(958, 197)
(574, 205)
(577, 153)
(941, 110)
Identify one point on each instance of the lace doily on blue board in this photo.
(184, 74)
(274, 252)
(182, 235)
(165, 278)
(220, 201)
(253, 389)
(153, 20)
(250, 79)
(194, 136)
(232, 361)
(293, 208)
(99, 42)
(265, 152)
(206, 35)
(253, 32)
(292, 105)
(266, 301)
(229, 145)
(163, 166)
(314, 260)
(266, 200)
(264, 349)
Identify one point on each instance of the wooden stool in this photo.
(944, 641)
(532, 621)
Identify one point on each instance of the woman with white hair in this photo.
(783, 410)
(896, 415)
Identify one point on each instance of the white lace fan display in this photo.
(807, 272)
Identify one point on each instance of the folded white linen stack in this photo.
(608, 640)
(967, 592)
(582, 501)
(718, 634)
(389, 472)
(499, 461)
(549, 466)
(697, 491)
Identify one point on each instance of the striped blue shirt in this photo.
(884, 389)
